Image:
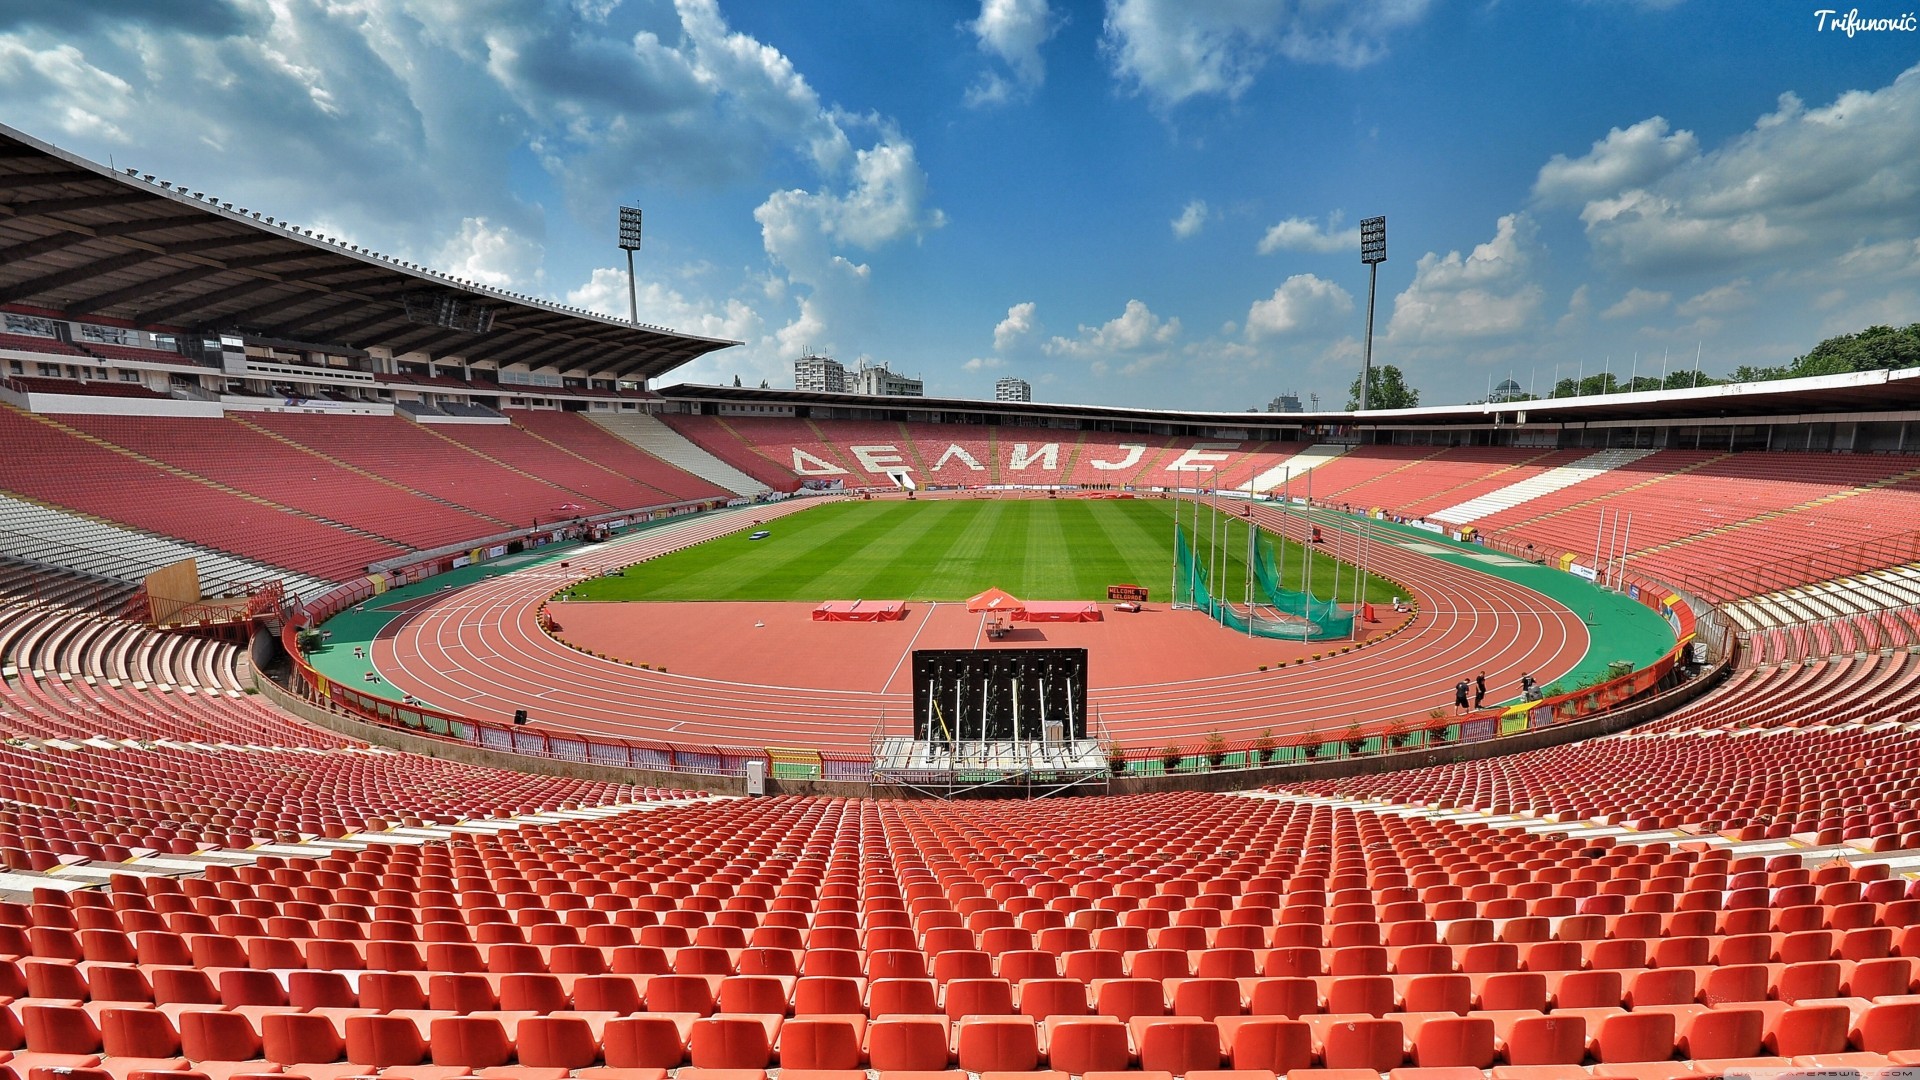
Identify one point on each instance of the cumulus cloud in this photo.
(1730, 296)
(1306, 234)
(1802, 181)
(1171, 51)
(983, 363)
(82, 99)
(493, 255)
(1637, 302)
(1626, 158)
(1021, 323)
(1012, 32)
(728, 319)
(1193, 218)
(1489, 292)
(1130, 343)
(1302, 302)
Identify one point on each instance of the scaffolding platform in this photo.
(997, 768)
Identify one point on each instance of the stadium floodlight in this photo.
(1373, 252)
(630, 243)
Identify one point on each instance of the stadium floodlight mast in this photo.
(1373, 252)
(630, 243)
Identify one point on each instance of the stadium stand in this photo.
(43, 535)
(1205, 932)
(654, 438)
(710, 434)
(180, 758)
(248, 459)
(101, 480)
(579, 437)
(34, 384)
(416, 457)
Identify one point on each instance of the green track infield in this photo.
(950, 549)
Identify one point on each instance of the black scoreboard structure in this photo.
(999, 695)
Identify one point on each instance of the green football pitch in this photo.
(950, 549)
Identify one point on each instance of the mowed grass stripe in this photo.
(812, 542)
(946, 550)
(877, 561)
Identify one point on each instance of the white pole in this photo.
(1173, 587)
(1014, 683)
(1335, 598)
(1213, 550)
(984, 685)
(1193, 558)
(1698, 345)
(1621, 581)
(1249, 575)
(1598, 532)
(1605, 579)
(1663, 367)
(1635, 377)
(1360, 561)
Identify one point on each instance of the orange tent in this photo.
(994, 600)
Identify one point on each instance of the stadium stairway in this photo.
(1293, 468)
(1534, 487)
(656, 438)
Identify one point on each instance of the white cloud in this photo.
(1487, 293)
(983, 363)
(1801, 182)
(1011, 31)
(1888, 258)
(493, 255)
(82, 99)
(1731, 296)
(1020, 323)
(1637, 302)
(1579, 306)
(1303, 302)
(1193, 218)
(1626, 158)
(1135, 340)
(1305, 234)
(729, 319)
(1172, 50)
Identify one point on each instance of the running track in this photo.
(479, 651)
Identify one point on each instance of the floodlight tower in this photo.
(1373, 252)
(630, 243)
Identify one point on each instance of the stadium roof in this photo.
(1853, 394)
(89, 243)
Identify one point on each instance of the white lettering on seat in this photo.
(880, 459)
(1134, 452)
(1048, 455)
(966, 459)
(805, 464)
(1201, 454)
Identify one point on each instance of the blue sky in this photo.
(1136, 202)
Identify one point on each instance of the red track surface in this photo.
(1156, 645)
(479, 651)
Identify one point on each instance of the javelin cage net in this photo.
(1276, 611)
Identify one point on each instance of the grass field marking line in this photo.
(908, 651)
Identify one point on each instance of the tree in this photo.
(1387, 389)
